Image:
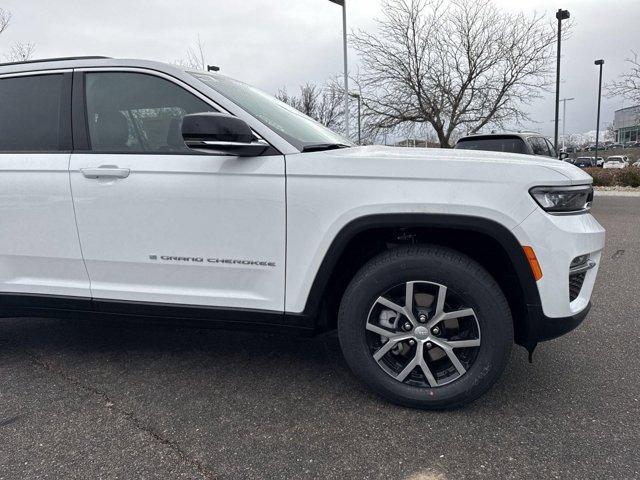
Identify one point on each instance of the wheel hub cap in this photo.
(421, 332)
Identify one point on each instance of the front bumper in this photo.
(544, 328)
(557, 241)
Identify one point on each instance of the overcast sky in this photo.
(288, 42)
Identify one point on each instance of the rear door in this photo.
(159, 222)
(39, 247)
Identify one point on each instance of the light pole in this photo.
(564, 118)
(357, 95)
(342, 3)
(599, 63)
(560, 15)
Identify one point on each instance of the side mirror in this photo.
(220, 134)
(563, 155)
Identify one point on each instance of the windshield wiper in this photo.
(321, 147)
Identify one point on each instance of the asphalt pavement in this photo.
(94, 401)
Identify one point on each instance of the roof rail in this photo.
(59, 59)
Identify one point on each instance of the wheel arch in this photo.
(490, 243)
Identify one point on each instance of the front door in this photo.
(160, 223)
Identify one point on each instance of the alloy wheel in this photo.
(422, 334)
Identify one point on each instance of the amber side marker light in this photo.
(533, 263)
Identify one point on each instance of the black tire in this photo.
(460, 274)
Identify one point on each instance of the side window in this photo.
(538, 145)
(135, 112)
(552, 150)
(30, 112)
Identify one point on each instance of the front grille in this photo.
(575, 285)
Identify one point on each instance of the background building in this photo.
(626, 124)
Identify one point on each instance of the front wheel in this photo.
(425, 327)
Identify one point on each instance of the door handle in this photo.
(105, 171)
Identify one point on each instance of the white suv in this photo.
(616, 162)
(134, 188)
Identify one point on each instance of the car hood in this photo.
(428, 163)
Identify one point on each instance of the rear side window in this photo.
(493, 144)
(552, 150)
(539, 146)
(30, 113)
(136, 112)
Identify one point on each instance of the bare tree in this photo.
(20, 52)
(5, 18)
(457, 66)
(609, 134)
(324, 104)
(628, 85)
(195, 57)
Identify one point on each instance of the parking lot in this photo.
(80, 400)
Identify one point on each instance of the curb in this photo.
(616, 193)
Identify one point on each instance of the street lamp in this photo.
(560, 15)
(342, 3)
(564, 118)
(599, 63)
(357, 95)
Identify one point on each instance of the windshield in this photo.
(295, 127)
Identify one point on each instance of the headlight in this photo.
(564, 200)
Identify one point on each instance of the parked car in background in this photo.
(616, 161)
(597, 162)
(602, 146)
(529, 143)
(585, 162)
